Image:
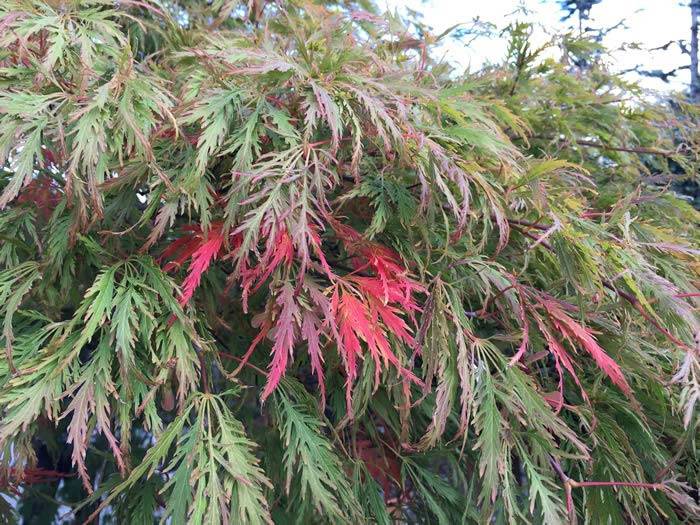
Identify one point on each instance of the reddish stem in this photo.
(640, 485)
(570, 484)
(243, 362)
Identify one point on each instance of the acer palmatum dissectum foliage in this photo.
(270, 261)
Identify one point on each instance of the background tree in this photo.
(273, 262)
(694, 73)
(579, 8)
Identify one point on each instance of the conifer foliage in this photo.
(273, 262)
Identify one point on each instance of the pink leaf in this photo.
(284, 335)
(310, 329)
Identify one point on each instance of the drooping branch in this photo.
(627, 149)
(637, 306)
(520, 226)
(563, 141)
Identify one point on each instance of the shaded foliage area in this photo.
(272, 262)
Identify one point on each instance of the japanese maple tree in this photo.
(273, 261)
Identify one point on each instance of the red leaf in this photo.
(385, 262)
(574, 331)
(201, 248)
(363, 310)
(359, 320)
(202, 258)
(400, 290)
(561, 357)
(180, 250)
(42, 194)
(394, 323)
(348, 344)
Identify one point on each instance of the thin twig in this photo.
(637, 306)
(570, 484)
(243, 362)
(204, 375)
(535, 225)
(626, 149)
(607, 147)
(533, 237)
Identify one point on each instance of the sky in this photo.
(650, 23)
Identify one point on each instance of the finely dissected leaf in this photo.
(543, 496)
(81, 405)
(487, 420)
(383, 290)
(285, 336)
(22, 164)
(15, 283)
(203, 249)
(231, 471)
(575, 332)
(215, 112)
(439, 502)
(368, 493)
(310, 455)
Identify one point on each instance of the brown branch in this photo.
(635, 484)
(535, 225)
(637, 306)
(204, 374)
(626, 149)
(570, 510)
(607, 147)
(533, 237)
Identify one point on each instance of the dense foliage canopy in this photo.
(274, 262)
